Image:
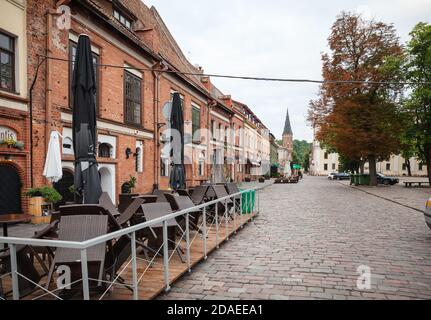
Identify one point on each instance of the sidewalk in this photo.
(411, 197)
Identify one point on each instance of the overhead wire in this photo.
(269, 79)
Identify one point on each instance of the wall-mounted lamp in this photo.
(128, 153)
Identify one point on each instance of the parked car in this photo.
(428, 213)
(342, 176)
(382, 179)
(331, 175)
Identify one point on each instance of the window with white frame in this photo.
(164, 167)
(139, 157)
(120, 17)
(67, 146)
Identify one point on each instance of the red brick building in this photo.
(138, 67)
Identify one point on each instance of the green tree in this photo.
(418, 70)
(358, 119)
(301, 153)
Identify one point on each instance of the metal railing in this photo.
(13, 242)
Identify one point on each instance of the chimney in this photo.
(148, 35)
(227, 100)
(207, 83)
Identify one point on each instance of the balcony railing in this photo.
(131, 232)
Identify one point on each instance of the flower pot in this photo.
(35, 206)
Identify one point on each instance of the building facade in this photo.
(15, 142)
(138, 67)
(323, 162)
(273, 157)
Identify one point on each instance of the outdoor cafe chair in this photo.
(218, 191)
(80, 228)
(125, 200)
(161, 195)
(120, 249)
(129, 217)
(156, 210)
(26, 257)
(199, 194)
(179, 203)
(232, 188)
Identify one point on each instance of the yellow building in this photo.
(13, 46)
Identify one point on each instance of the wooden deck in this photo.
(151, 279)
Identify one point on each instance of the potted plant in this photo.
(11, 143)
(131, 183)
(42, 200)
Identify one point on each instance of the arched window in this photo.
(105, 150)
(67, 146)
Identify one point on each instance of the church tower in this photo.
(288, 137)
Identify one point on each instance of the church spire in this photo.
(287, 127)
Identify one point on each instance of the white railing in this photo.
(131, 231)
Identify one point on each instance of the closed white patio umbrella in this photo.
(53, 170)
(287, 170)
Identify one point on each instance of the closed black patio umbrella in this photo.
(87, 178)
(178, 173)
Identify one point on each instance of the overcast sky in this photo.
(272, 38)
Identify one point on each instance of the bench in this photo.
(411, 184)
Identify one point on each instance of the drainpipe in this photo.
(48, 82)
(156, 91)
(211, 104)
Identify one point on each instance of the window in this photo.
(325, 167)
(132, 96)
(7, 59)
(213, 129)
(96, 61)
(388, 166)
(226, 134)
(220, 132)
(421, 166)
(196, 123)
(67, 146)
(164, 167)
(122, 19)
(326, 155)
(201, 164)
(104, 150)
(333, 166)
(404, 167)
(139, 158)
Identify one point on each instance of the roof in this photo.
(287, 126)
(107, 17)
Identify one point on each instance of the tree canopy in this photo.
(360, 120)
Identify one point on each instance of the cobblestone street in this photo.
(309, 241)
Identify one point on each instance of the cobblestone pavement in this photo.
(308, 243)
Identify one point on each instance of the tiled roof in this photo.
(169, 49)
(115, 23)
